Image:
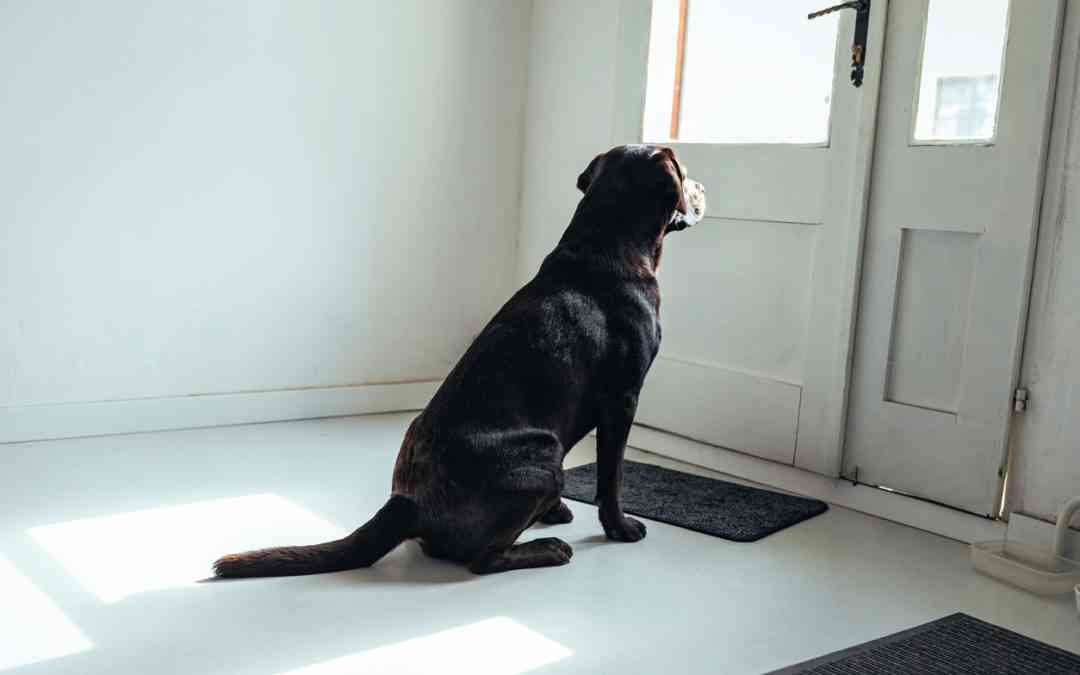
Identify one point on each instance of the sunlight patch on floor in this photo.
(32, 627)
(498, 646)
(120, 555)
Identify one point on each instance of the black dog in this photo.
(568, 353)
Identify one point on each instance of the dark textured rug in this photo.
(706, 505)
(956, 645)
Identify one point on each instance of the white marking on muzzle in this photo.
(694, 196)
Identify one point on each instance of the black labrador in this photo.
(567, 354)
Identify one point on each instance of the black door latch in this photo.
(858, 45)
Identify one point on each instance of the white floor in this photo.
(101, 540)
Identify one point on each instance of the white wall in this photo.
(217, 197)
(1046, 439)
(570, 108)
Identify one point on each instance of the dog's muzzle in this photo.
(694, 196)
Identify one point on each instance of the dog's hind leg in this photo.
(530, 492)
(547, 552)
(558, 514)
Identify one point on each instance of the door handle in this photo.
(858, 44)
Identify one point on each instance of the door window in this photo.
(731, 71)
(963, 45)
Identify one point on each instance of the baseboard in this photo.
(97, 418)
(913, 512)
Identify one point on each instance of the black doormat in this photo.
(706, 505)
(956, 645)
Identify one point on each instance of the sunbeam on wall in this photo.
(498, 646)
(32, 627)
(120, 555)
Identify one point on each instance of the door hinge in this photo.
(1020, 399)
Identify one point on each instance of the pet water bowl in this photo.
(1039, 569)
(1032, 568)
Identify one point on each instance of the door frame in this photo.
(1055, 185)
(822, 406)
(1058, 123)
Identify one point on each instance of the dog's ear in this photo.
(670, 186)
(585, 179)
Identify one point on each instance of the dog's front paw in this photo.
(624, 528)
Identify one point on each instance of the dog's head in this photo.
(646, 178)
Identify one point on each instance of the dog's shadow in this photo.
(408, 565)
(592, 541)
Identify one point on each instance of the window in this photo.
(965, 106)
(961, 70)
(730, 71)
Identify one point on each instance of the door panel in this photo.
(934, 277)
(758, 300)
(760, 420)
(947, 265)
(760, 183)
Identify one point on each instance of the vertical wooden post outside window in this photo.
(680, 50)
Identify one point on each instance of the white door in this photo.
(961, 139)
(758, 298)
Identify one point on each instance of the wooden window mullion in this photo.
(680, 50)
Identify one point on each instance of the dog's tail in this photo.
(394, 523)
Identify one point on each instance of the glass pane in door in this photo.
(732, 71)
(961, 70)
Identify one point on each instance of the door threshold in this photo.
(854, 480)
